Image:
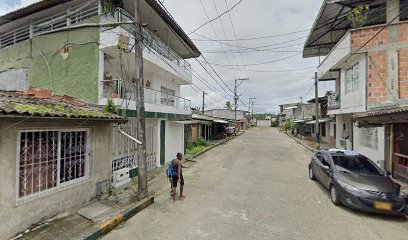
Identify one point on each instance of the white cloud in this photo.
(6, 8)
(253, 19)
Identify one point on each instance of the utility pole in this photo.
(140, 108)
(236, 96)
(301, 105)
(317, 127)
(252, 110)
(204, 93)
(251, 100)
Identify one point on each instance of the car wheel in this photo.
(311, 174)
(334, 195)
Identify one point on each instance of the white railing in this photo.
(123, 90)
(151, 41)
(57, 21)
(333, 101)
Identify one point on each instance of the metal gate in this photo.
(151, 143)
(124, 149)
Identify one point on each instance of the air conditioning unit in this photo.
(121, 177)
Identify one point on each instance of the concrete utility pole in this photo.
(236, 96)
(251, 100)
(317, 127)
(301, 105)
(204, 93)
(140, 107)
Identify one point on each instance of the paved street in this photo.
(255, 187)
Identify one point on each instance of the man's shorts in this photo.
(175, 180)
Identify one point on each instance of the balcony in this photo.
(155, 50)
(47, 24)
(333, 101)
(123, 94)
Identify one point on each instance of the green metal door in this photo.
(162, 142)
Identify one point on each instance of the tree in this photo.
(228, 106)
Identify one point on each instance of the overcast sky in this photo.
(251, 19)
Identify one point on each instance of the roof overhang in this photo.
(331, 24)
(153, 14)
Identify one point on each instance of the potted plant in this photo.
(358, 16)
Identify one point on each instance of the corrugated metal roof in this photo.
(382, 112)
(43, 103)
(332, 24)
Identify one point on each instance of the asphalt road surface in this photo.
(255, 187)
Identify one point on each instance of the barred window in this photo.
(48, 159)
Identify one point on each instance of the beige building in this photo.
(55, 157)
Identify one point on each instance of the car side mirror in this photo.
(326, 167)
(387, 173)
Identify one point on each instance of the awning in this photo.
(388, 115)
(287, 108)
(220, 121)
(187, 122)
(320, 121)
(332, 24)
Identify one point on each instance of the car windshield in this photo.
(358, 164)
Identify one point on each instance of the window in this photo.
(357, 164)
(167, 96)
(49, 159)
(344, 126)
(352, 80)
(369, 137)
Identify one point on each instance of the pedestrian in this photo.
(175, 174)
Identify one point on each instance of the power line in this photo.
(228, 10)
(256, 64)
(253, 38)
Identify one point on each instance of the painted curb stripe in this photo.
(107, 226)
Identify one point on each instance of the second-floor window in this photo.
(352, 80)
(167, 96)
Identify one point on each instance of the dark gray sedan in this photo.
(356, 182)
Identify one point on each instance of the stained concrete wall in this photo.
(66, 62)
(17, 217)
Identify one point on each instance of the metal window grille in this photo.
(48, 159)
(124, 149)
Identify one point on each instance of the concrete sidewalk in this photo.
(120, 207)
(311, 145)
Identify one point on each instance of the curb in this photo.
(304, 145)
(107, 226)
(216, 145)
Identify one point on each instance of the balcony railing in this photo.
(57, 21)
(333, 101)
(123, 90)
(151, 41)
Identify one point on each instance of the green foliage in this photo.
(228, 106)
(110, 106)
(358, 16)
(275, 124)
(262, 116)
(198, 146)
(287, 125)
(110, 6)
(51, 109)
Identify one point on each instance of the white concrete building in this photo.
(350, 73)
(74, 48)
